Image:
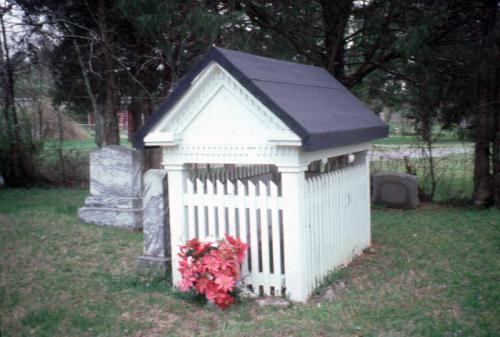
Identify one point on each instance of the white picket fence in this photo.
(337, 221)
(248, 211)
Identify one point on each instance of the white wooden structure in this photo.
(300, 225)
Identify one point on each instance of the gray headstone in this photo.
(396, 190)
(115, 188)
(155, 219)
(2, 181)
(115, 171)
(155, 214)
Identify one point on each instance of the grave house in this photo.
(275, 153)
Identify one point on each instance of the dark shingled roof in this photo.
(310, 101)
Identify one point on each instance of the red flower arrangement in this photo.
(212, 269)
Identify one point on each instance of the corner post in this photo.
(293, 195)
(363, 159)
(176, 175)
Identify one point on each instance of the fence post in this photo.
(176, 175)
(294, 230)
(362, 159)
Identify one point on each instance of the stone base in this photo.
(118, 217)
(145, 262)
(113, 202)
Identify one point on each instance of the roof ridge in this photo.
(297, 84)
(273, 59)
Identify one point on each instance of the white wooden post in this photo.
(362, 159)
(294, 230)
(176, 175)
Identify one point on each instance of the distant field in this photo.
(432, 272)
(444, 138)
(78, 144)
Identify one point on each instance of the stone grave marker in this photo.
(397, 190)
(156, 228)
(115, 188)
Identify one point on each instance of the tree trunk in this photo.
(496, 146)
(99, 125)
(16, 173)
(60, 150)
(432, 169)
(335, 18)
(140, 109)
(496, 132)
(482, 168)
(483, 179)
(109, 129)
(90, 93)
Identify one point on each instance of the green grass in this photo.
(52, 144)
(409, 136)
(83, 144)
(446, 139)
(433, 272)
(78, 149)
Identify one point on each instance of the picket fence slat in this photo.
(211, 208)
(243, 223)
(191, 209)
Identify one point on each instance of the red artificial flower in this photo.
(224, 282)
(211, 291)
(185, 284)
(239, 246)
(224, 300)
(212, 270)
(202, 284)
(226, 264)
(212, 263)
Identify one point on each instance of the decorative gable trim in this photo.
(203, 88)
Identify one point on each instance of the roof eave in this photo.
(320, 141)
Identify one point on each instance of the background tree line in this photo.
(441, 58)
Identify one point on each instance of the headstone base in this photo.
(119, 217)
(113, 202)
(146, 262)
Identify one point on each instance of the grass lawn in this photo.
(86, 144)
(78, 149)
(433, 272)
